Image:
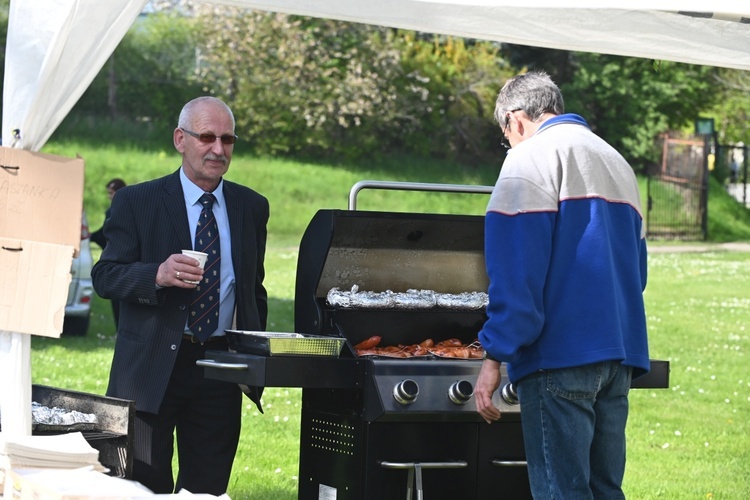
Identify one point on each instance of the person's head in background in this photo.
(113, 186)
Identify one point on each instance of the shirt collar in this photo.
(193, 192)
(564, 118)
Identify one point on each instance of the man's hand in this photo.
(178, 270)
(487, 383)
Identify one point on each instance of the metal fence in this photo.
(678, 192)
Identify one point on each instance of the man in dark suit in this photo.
(156, 349)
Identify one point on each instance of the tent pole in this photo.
(15, 389)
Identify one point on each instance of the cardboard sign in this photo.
(41, 202)
(34, 281)
(41, 197)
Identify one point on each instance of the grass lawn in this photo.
(686, 442)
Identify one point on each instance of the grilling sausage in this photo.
(450, 348)
(450, 343)
(369, 343)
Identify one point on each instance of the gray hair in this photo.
(188, 110)
(534, 93)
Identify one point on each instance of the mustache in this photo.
(213, 157)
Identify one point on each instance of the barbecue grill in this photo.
(382, 426)
(112, 435)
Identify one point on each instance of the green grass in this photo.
(691, 441)
(296, 190)
(686, 442)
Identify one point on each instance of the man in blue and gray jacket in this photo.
(566, 257)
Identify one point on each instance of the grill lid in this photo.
(386, 251)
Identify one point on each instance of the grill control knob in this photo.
(461, 392)
(509, 394)
(406, 392)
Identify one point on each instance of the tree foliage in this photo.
(320, 88)
(732, 106)
(630, 104)
(150, 75)
(628, 101)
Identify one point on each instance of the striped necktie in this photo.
(204, 310)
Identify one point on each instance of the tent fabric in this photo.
(715, 33)
(55, 48)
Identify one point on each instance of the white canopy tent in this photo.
(55, 48)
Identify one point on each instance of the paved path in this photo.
(739, 246)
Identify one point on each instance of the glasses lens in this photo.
(225, 139)
(505, 142)
(211, 138)
(207, 138)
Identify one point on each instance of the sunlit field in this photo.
(686, 442)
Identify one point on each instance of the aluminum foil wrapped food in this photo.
(339, 298)
(414, 299)
(360, 300)
(372, 300)
(54, 416)
(463, 301)
(411, 299)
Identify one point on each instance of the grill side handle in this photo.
(414, 186)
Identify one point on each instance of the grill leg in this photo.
(415, 469)
(409, 483)
(418, 472)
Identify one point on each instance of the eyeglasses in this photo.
(505, 141)
(211, 138)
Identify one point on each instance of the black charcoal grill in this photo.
(111, 435)
(379, 427)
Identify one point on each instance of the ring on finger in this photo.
(178, 274)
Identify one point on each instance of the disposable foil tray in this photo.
(284, 344)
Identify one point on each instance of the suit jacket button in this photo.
(173, 347)
(183, 307)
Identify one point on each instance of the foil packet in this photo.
(411, 299)
(54, 417)
(466, 301)
(414, 299)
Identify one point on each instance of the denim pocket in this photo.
(580, 382)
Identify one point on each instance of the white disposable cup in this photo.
(200, 257)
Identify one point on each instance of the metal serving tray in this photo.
(284, 344)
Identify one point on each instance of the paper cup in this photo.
(200, 257)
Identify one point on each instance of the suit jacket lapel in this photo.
(234, 214)
(174, 204)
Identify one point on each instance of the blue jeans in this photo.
(574, 430)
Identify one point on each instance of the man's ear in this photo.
(519, 126)
(179, 140)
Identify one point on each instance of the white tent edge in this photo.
(55, 48)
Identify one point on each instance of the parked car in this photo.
(81, 291)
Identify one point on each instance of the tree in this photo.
(628, 101)
(320, 87)
(151, 73)
(732, 108)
